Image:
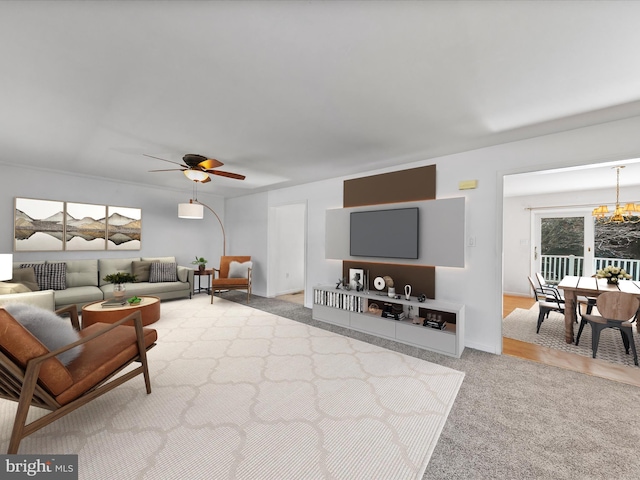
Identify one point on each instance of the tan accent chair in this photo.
(221, 280)
(31, 375)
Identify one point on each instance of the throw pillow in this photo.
(53, 331)
(50, 276)
(141, 270)
(27, 277)
(162, 272)
(239, 270)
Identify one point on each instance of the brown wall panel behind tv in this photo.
(422, 279)
(403, 186)
(409, 185)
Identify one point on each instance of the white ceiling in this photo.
(287, 92)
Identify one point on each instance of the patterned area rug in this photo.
(239, 393)
(521, 325)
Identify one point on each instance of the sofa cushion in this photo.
(27, 277)
(159, 259)
(107, 266)
(239, 270)
(21, 346)
(7, 288)
(53, 331)
(49, 275)
(44, 299)
(82, 273)
(141, 270)
(162, 272)
(78, 296)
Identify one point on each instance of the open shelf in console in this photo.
(354, 310)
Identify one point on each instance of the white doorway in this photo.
(287, 251)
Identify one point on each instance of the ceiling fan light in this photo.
(196, 175)
(191, 210)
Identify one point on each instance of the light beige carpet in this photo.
(239, 393)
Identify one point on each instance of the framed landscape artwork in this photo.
(86, 227)
(124, 226)
(51, 225)
(38, 225)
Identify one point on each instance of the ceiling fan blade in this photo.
(163, 159)
(208, 179)
(236, 176)
(170, 170)
(210, 163)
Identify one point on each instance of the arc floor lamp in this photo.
(195, 210)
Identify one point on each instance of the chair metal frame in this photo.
(549, 300)
(618, 310)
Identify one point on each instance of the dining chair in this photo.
(589, 302)
(617, 310)
(549, 300)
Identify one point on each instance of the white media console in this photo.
(351, 309)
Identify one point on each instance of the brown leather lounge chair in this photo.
(31, 375)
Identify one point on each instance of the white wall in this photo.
(287, 253)
(479, 284)
(246, 226)
(163, 233)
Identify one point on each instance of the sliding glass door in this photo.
(563, 244)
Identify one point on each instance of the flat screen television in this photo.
(385, 233)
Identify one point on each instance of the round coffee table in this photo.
(94, 312)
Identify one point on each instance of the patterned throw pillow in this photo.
(162, 272)
(50, 276)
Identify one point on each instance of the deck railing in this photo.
(555, 267)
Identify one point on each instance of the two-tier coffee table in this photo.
(94, 312)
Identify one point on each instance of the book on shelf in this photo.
(114, 302)
(438, 325)
(395, 316)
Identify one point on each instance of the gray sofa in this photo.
(83, 280)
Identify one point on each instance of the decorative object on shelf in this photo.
(613, 274)
(356, 279)
(365, 282)
(374, 308)
(422, 297)
(342, 282)
(388, 281)
(134, 300)
(407, 292)
(630, 213)
(379, 283)
(201, 262)
(119, 279)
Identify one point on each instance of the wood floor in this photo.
(569, 361)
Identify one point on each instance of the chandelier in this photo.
(630, 213)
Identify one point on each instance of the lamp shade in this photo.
(190, 210)
(6, 266)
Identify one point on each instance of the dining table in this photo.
(590, 287)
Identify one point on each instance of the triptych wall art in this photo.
(50, 225)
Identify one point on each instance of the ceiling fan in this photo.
(198, 168)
